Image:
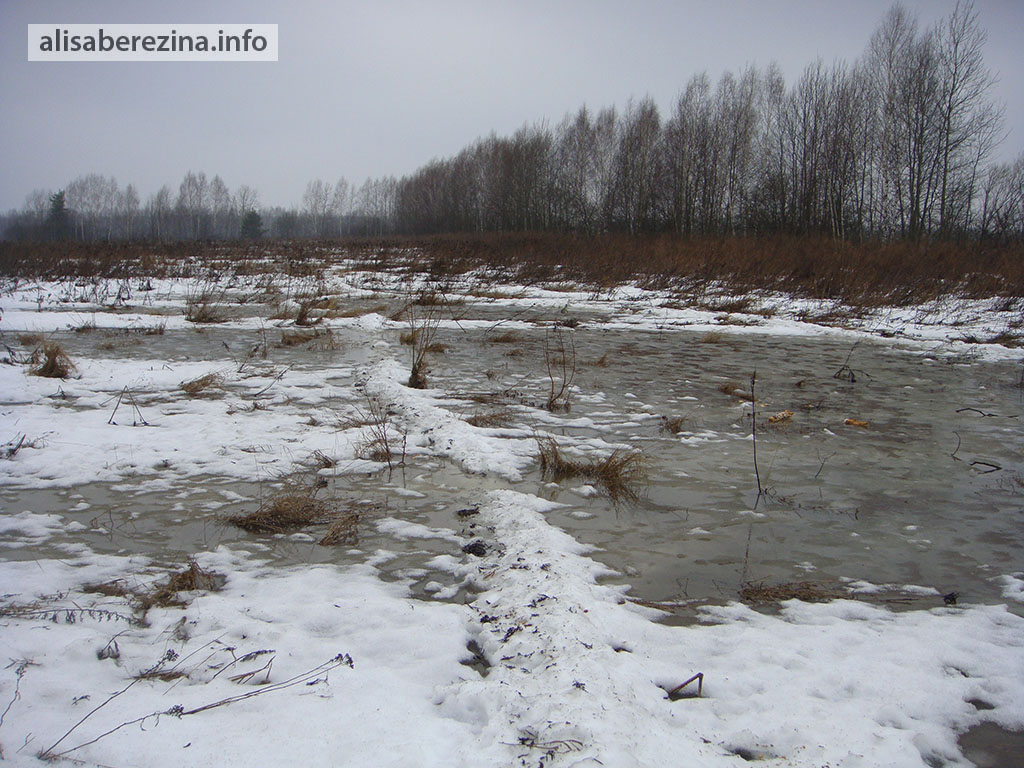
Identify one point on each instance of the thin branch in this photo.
(753, 435)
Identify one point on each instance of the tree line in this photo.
(896, 145)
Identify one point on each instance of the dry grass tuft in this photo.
(283, 513)
(30, 339)
(742, 304)
(200, 384)
(51, 361)
(344, 530)
(204, 306)
(292, 338)
(304, 318)
(322, 461)
(619, 474)
(672, 425)
(711, 337)
(378, 309)
(115, 588)
(192, 578)
(508, 337)
(807, 591)
(500, 417)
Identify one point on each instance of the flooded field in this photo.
(930, 492)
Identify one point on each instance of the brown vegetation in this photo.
(200, 384)
(618, 474)
(868, 273)
(283, 513)
(807, 591)
(50, 361)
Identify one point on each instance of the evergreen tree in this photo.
(57, 222)
(252, 226)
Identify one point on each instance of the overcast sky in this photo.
(377, 88)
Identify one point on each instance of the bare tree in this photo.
(316, 204)
(220, 207)
(193, 202)
(969, 123)
(128, 211)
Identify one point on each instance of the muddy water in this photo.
(930, 492)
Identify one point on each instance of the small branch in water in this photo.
(822, 465)
(753, 435)
(983, 413)
(991, 467)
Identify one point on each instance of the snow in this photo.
(339, 665)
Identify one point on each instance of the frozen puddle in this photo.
(457, 608)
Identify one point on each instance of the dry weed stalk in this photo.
(380, 444)
(423, 327)
(560, 361)
(204, 305)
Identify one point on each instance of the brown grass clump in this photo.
(203, 306)
(198, 385)
(672, 425)
(344, 530)
(304, 318)
(378, 309)
(192, 578)
(116, 588)
(729, 306)
(807, 591)
(283, 513)
(711, 337)
(51, 361)
(618, 474)
(500, 417)
(508, 337)
(30, 339)
(292, 338)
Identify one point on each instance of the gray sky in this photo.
(381, 87)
